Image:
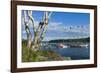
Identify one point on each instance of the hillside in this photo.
(71, 40)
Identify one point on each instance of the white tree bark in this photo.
(46, 19)
(29, 36)
(31, 18)
(39, 32)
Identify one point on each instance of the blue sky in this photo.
(63, 25)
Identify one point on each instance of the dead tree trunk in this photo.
(38, 33)
(29, 36)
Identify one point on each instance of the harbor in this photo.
(67, 45)
(74, 51)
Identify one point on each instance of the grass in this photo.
(28, 55)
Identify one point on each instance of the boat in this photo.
(84, 45)
(62, 46)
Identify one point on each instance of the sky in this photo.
(62, 25)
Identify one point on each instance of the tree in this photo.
(38, 32)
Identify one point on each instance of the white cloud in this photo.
(64, 30)
(54, 25)
(58, 26)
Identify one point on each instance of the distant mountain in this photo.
(70, 40)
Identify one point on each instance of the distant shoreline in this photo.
(71, 40)
(81, 42)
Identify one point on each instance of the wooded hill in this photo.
(70, 40)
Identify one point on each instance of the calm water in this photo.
(74, 53)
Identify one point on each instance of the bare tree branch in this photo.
(39, 32)
(29, 36)
(37, 38)
(32, 19)
(46, 19)
(49, 15)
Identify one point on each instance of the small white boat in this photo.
(62, 46)
(84, 45)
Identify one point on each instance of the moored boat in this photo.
(62, 46)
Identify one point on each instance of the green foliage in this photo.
(84, 40)
(29, 55)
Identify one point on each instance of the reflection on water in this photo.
(76, 53)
